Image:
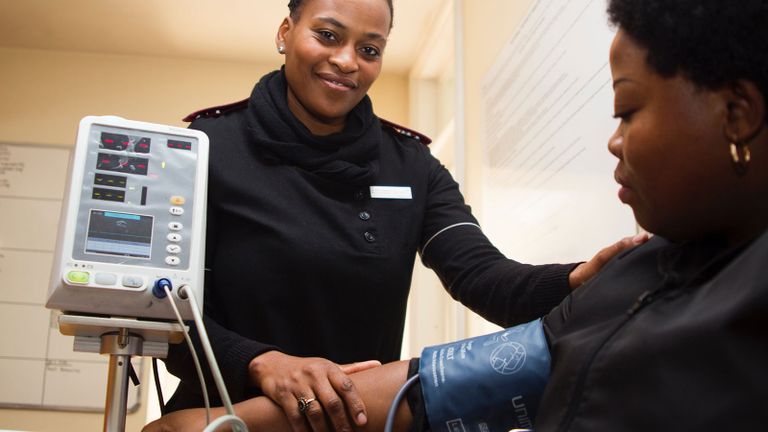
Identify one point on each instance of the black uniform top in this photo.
(303, 258)
(667, 337)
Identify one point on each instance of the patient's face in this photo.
(674, 167)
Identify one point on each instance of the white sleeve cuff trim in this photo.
(424, 248)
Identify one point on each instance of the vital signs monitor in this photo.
(133, 220)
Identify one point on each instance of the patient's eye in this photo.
(624, 116)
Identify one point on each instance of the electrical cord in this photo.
(160, 399)
(193, 352)
(396, 401)
(235, 420)
(214, 366)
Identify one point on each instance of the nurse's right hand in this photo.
(315, 394)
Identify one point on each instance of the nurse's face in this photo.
(333, 53)
(674, 167)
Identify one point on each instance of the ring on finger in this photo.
(303, 403)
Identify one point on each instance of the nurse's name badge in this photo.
(391, 192)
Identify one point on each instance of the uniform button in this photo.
(359, 195)
(369, 237)
(364, 215)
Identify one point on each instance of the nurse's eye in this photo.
(327, 35)
(371, 52)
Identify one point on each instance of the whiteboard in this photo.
(547, 116)
(38, 368)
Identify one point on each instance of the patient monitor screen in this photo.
(121, 234)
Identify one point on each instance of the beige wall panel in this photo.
(488, 25)
(45, 93)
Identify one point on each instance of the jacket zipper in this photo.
(642, 301)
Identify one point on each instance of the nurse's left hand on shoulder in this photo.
(585, 271)
(329, 395)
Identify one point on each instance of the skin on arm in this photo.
(377, 386)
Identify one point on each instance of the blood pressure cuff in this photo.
(488, 383)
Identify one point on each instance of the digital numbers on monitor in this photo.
(122, 164)
(120, 142)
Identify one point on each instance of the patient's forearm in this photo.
(376, 386)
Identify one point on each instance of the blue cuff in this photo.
(487, 383)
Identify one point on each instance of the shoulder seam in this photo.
(216, 111)
(402, 130)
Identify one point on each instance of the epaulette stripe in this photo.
(410, 133)
(216, 110)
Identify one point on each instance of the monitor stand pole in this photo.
(120, 347)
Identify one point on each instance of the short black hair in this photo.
(710, 42)
(294, 7)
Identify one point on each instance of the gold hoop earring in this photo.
(740, 157)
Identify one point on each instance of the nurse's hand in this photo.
(330, 395)
(585, 271)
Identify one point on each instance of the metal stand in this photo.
(120, 338)
(120, 348)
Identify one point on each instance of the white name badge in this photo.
(391, 192)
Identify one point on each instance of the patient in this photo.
(669, 335)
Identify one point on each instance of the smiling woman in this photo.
(331, 60)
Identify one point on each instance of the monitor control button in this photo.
(78, 277)
(106, 278)
(133, 281)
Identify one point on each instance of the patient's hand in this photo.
(585, 271)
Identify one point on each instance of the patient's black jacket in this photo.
(668, 337)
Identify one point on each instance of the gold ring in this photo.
(304, 404)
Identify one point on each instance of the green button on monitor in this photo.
(78, 277)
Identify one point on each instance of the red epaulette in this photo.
(406, 132)
(216, 111)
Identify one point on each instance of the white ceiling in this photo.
(223, 30)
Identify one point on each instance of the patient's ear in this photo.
(746, 110)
